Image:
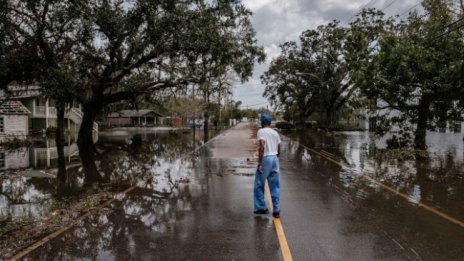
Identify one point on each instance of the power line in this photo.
(407, 11)
(451, 30)
(392, 2)
(364, 6)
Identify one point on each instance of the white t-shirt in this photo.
(271, 138)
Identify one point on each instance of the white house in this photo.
(14, 121)
(42, 110)
(14, 159)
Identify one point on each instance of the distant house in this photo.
(144, 117)
(14, 123)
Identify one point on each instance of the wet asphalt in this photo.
(208, 216)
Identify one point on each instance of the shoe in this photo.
(261, 211)
(276, 215)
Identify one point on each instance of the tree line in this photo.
(406, 72)
(101, 52)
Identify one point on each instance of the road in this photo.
(209, 216)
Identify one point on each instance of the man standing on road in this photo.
(268, 167)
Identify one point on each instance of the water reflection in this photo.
(25, 197)
(438, 182)
(162, 217)
(27, 179)
(160, 162)
(162, 221)
(136, 224)
(42, 154)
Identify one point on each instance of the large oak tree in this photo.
(413, 73)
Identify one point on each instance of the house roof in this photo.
(134, 113)
(13, 108)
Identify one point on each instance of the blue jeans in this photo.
(272, 174)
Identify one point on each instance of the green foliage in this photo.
(312, 76)
(408, 73)
(408, 69)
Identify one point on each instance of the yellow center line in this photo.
(394, 191)
(46, 239)
(286, 254)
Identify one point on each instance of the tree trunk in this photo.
(194, 119)
(421, 129)
(86, 145)
(330, 118)
(61, 177)
(323, 119)
(206, 115)
(206, 127)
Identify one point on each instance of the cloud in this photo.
(272, 51)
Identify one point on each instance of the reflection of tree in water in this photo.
(144, 218)
(24, 197)
(141, 220)
(437, 183)
(157, 167)
(157, 156)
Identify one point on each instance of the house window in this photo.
(2, 126)
(2, 160)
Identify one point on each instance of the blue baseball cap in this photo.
(266, 119)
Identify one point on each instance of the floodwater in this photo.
(186, 202)
(438, 182)
(410, 222)
(27, 178)
(199, 206)
(204, 216)
(27, 174)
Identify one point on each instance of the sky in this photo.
(279, 21)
